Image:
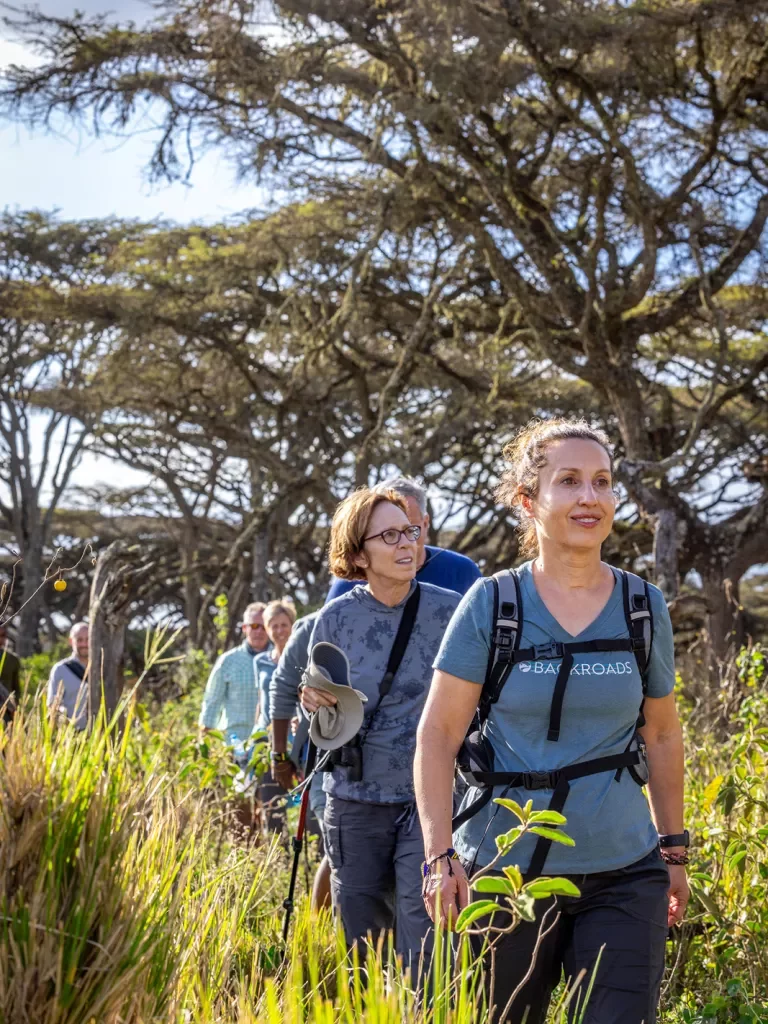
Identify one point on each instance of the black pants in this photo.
(624, 911)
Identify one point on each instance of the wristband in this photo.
(679, 839)
(676, 859)
(450, 854)
(280, 758)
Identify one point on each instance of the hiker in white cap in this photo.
(379, 639)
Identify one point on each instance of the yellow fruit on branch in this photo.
(60, 585)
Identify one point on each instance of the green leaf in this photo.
(548, 818)
(475, 911)
(514, 875)
(553, 834)
(506, 841)
(543, 887)
(512, 805)
(502, 886)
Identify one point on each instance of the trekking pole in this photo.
(298, 841)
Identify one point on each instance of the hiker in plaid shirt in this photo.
(231, 698)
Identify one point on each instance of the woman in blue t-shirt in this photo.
(629, 854)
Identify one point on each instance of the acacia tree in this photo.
(604, 163)
(42, 350)
(244, 341)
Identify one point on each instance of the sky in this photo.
(83, 177)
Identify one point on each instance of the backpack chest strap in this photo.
(566, 651)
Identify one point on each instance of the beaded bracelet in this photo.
(450, 854)
(676, 859)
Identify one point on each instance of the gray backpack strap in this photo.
(506, 630)
(637, 612)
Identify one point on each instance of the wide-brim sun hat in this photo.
(328, 669)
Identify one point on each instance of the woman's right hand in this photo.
(449, 889)
(312, 700)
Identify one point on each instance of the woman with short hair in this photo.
(588, 690)
(374, 842)
(279, 617)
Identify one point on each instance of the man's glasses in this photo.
(253, 625)
(393, 536)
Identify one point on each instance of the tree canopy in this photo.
(512, 206)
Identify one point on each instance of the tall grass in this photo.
(126, 897)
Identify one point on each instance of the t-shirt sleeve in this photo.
(661, 671)
(465, 648)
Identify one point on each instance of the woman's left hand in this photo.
(678, 894)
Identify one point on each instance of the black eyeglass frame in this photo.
(400, 533)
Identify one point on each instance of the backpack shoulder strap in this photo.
(639, 616)
(506, 630)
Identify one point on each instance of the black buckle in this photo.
(539, 780)
(503, 638)
(545, 651)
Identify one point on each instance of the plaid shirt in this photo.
(231, 696)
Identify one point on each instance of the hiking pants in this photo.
(625, 911)
(376, 852)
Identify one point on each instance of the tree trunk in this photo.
(191, 583)
(665, 553)
(116, 586)
(261, 589)
(29, 614)
(725, 629)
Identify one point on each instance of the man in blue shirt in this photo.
(231, 698)
(438, 566)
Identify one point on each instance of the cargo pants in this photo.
(376, 852)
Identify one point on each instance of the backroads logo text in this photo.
(597, 668)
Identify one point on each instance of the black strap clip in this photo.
(551, 650)
(540, 780)
(504, 643)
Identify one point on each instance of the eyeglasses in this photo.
(253, 625)
(393, 536)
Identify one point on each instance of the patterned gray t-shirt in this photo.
(365, 629)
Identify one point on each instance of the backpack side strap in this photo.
(506, 631)
(639, 618)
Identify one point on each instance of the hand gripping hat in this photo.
(328, 670)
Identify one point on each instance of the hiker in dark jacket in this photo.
(374, 842)
(67, 687)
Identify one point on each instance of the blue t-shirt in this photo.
(610, 821)
(264, 668)
(365, 630)
(442, 568)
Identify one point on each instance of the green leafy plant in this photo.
(518, 897)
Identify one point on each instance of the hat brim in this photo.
(328, 670)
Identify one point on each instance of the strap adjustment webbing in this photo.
(558, 780)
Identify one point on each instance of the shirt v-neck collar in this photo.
(543, 617)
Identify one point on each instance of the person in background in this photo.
(279, 617)
(231, 699)
(372, 831)
(438, 566)
(10, 675)
(283, 696)
(67, 686)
